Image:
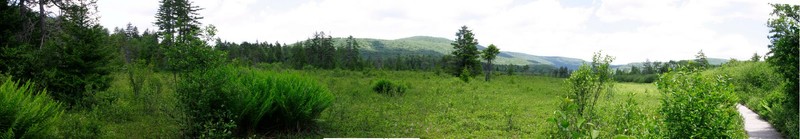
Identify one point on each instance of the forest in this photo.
(64, 75)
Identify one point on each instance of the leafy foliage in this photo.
(577, 117)
(695, 106)
(203, 92)
(489, 54)
(25, 113)
(628, 119)
(784, 38)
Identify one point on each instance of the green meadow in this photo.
(434, 106)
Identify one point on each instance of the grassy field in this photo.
(441, 106)
(434, 106)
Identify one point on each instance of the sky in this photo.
(630, 30)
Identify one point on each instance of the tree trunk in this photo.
(22, 8)
(41, 23)
(489, 70)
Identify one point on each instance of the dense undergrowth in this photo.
(759, 88)
(697, 106)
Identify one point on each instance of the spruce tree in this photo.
(466, 53)
(76, 62)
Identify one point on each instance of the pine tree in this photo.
(165, 20)
(702, 60)
(351, 55)
(466, 53)
(179, 28)
(76, 62)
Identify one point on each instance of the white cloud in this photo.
(631, 30)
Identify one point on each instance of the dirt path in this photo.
(756, 127)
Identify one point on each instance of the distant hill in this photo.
(435, 46)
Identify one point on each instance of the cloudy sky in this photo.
(630, 30)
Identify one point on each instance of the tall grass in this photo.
(121, 112)
(25, 113)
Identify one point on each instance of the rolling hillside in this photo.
(434, 46)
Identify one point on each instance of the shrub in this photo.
(80, 125)
(696, 106)
(627, 119)
(577, 117)
(271, 100)
(389, 88)
(204, 98)
(25, 113)
(464, 76)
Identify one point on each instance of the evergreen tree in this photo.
(702, 60)
(76, 62)
(755, 57)
(466, 53)
(165, 20)
(179, 29)
(351, 55)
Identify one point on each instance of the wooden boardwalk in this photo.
(756, 127)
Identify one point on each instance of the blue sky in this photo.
(630, 30)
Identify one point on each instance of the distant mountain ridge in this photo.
(436, 46)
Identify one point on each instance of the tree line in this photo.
(648, 71)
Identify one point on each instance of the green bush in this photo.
(389, 88)
(272, 100)
(695, 106)
(25, 113)
(577, 116)
(627, 119)
(464, 76)
(204, 96)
